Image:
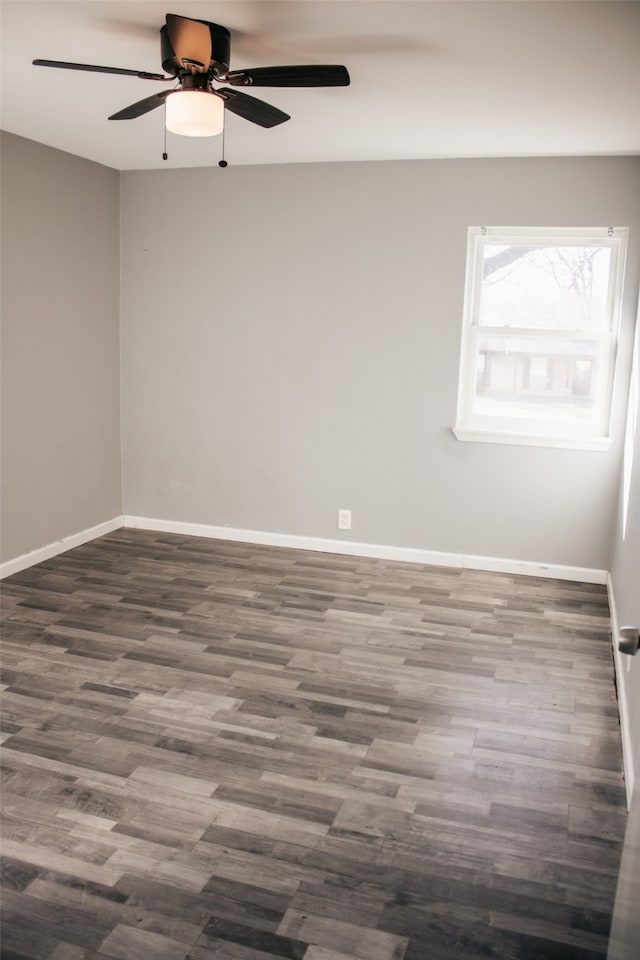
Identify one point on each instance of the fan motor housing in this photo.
(220, 51)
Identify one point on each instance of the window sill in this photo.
(531, 440)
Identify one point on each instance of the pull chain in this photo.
(223, 162)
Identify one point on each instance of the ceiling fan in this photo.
(196, 53)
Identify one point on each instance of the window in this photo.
(540, 334)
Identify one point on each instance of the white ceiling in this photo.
(443, 79)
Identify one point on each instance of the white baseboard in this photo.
(527, 568)
(621, 664)
(58, 546)
(322, 545)
(269, 538)
(375, 550)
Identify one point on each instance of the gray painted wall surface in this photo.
(291, 341)
(60, 345)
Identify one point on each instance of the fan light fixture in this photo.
(194, 113)
(195, 54)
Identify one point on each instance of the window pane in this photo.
(542, 307)
(553, 287)
(536, 377)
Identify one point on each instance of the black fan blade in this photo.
(142, 106)
(190, 39)
(92, 68)
(313, 75)
(250, 108)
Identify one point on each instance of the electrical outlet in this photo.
(344, 519)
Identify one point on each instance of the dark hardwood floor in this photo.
(216, 750)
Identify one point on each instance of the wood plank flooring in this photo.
(220, 751)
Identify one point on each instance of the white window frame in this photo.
(471, 425)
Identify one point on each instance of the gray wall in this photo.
(291, 341)
(60, 345)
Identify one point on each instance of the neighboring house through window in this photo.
(540, 333)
